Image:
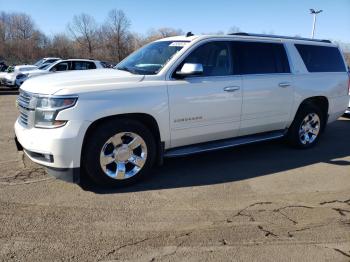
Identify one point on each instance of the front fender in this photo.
(93, 106)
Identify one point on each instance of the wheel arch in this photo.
(321, 102)
(146, 119)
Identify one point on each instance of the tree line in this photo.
(21, 41)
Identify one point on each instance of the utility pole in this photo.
(314, 13)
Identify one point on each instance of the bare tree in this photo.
(62, 46)
(21, 26)
(84, 30)
(116, 32)
(162, 32)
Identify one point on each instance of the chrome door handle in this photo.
(284, 84)
(231, 88)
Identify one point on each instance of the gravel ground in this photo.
(262, 202)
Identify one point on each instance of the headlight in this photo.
(47, 109)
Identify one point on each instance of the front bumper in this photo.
(62, 144)
(9, 82)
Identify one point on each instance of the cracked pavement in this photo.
(262, 202)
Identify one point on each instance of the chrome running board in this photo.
(221, 144)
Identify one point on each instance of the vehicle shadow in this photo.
(242, 162)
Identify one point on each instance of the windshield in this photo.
(44, 66)
(150, 59)
(39, 62)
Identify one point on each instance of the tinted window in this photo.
(321, 58)
(82, 65)
(259, 58)
(64, 66)
(214, 57)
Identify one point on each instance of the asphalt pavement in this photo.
(261, 202)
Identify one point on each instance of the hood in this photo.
(35, 72)
(3, 74)
(79, 81)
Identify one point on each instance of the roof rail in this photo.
(281, 36)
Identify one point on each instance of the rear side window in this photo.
(259, 58)
(321, 58)
(83, 65)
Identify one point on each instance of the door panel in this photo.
(267, 85)
(267, 102)
(201, 110)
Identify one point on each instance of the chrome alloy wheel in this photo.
(309, 129)
(123, 155)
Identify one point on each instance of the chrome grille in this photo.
(24, 106)
(23, 99)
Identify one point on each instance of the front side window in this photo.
(214, 57)
(260, 58)
(64, 66)
(150, 59)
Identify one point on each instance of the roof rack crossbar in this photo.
(281, 36)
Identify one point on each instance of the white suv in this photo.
(59, 66)
(179, 96)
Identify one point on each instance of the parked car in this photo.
(3, 74)
(59, 66)
(9, 79)
(179, 96)
(46, 60)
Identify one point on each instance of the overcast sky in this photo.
(287, 17)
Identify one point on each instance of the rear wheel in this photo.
(119, 153)
(306, 128)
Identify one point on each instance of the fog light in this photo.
(47, 157)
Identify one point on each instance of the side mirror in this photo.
(189, 69)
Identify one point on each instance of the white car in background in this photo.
(4, 73)
(9, 79)
(46, 60)
(59, 66)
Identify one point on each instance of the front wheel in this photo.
(119, 153)
(306, 128)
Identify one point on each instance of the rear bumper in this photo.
(337, 107)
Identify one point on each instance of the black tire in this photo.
(97, 139)
(293, 137)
